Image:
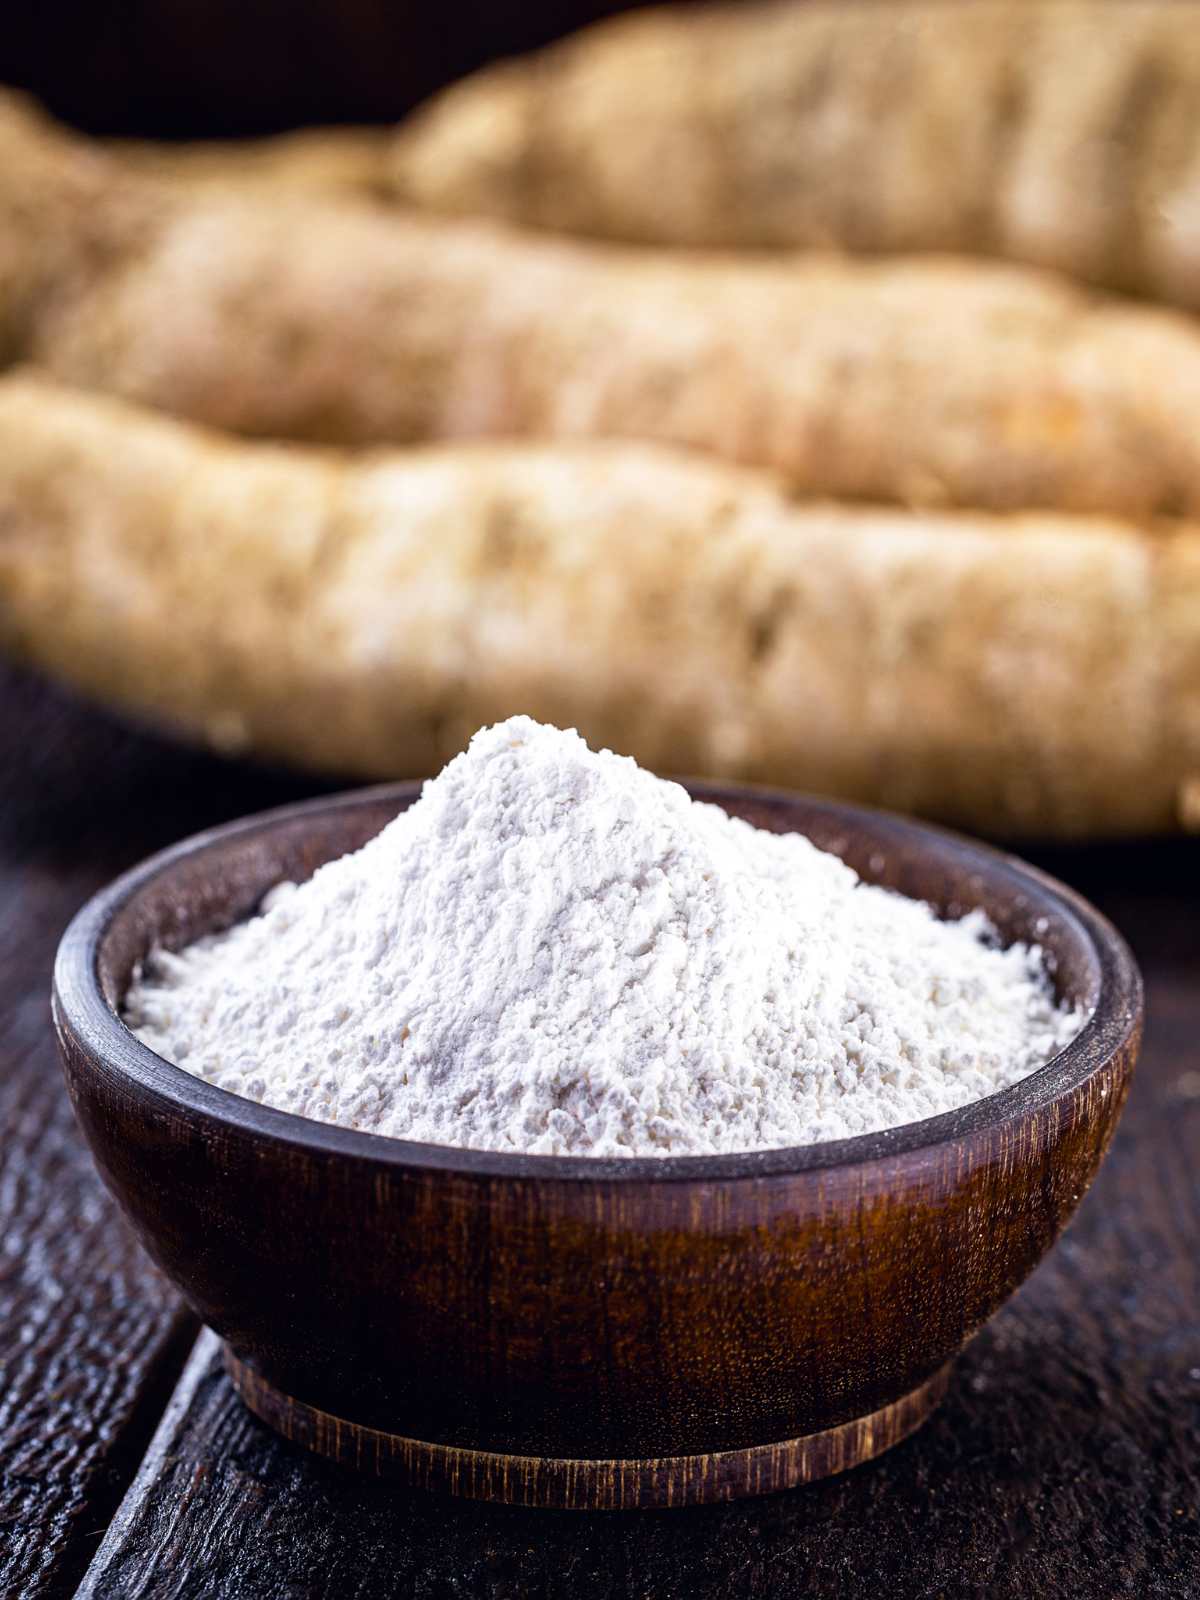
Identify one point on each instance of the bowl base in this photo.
(588, 1485)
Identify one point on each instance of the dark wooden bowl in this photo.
(577, 1332)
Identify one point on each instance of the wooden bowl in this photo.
(577, 1332)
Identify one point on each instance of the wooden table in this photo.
(1066, 1460)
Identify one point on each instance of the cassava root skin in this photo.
(919, 381)
(1061, 134)
(1024, 675)
(66, 218)
(339, 161)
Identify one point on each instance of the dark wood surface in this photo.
(91, 1339)
(1065, 1460)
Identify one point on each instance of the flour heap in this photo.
(555, 952)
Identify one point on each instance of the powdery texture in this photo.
(556, 952)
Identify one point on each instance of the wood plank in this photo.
(1065, 1462)
(91, 1338)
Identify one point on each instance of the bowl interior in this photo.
(207, 883)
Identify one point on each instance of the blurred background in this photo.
(926, 271)
(185, 70)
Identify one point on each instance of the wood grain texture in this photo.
(591, 1485)
(1064, 1463)
(579, 1333)
(88, 1330)
(91, 1338)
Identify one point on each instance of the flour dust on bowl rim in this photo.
(588, 1332)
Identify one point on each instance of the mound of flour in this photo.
(554, 951)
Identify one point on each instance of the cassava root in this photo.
(913, 382)
(1061, 134)
(1031, 674)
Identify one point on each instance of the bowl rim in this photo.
(82, 1012)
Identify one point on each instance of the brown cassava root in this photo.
(1026, 675)
(917, 381)
(1064, 135)
(339, 161)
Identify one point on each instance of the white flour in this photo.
(556, 952)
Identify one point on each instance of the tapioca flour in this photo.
(555, 952)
